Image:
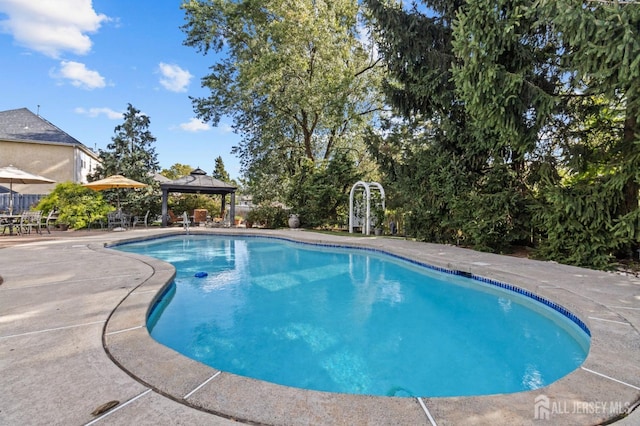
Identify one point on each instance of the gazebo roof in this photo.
(198, 182)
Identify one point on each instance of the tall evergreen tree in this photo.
(555, 81)
(131, 153)
(458, 184)
(603, 54)
(219, 172)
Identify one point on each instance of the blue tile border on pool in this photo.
(555, 306)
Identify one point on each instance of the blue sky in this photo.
(83, 61)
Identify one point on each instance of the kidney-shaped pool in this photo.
(355, 321)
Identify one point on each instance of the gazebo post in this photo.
(232, 208)
(224, 205)
(165, 209)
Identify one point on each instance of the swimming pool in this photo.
(354, 321)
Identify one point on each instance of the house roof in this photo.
(23, 125)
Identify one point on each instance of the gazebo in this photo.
(197, 182)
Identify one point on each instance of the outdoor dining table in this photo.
(10, 220)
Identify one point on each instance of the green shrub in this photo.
(77, 206)
(268, 216)
(577, 222)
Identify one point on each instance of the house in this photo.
(31, 143)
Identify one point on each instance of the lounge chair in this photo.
(173, 219)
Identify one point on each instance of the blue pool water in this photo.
(353, 321)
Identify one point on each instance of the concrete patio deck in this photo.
(73, 338)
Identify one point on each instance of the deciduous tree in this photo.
(296, 76)
(176, 171)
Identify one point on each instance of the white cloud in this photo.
(51, 26)
(80, 76)
(195, 125)
(174, 78)
(95, 112)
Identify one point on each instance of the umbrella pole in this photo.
(11, 197)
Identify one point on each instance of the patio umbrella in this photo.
(11, 175)
(114, 182)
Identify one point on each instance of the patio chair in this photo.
(4, 224)
(94, 222)
(117, 219)
(138, 219)
(156, 220)
(30, 220)
(52, 217)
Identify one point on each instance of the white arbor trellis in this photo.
(356, 212)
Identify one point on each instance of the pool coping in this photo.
(608, 375)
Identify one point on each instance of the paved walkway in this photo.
(72, 340)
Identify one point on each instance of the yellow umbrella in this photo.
(114, 182)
